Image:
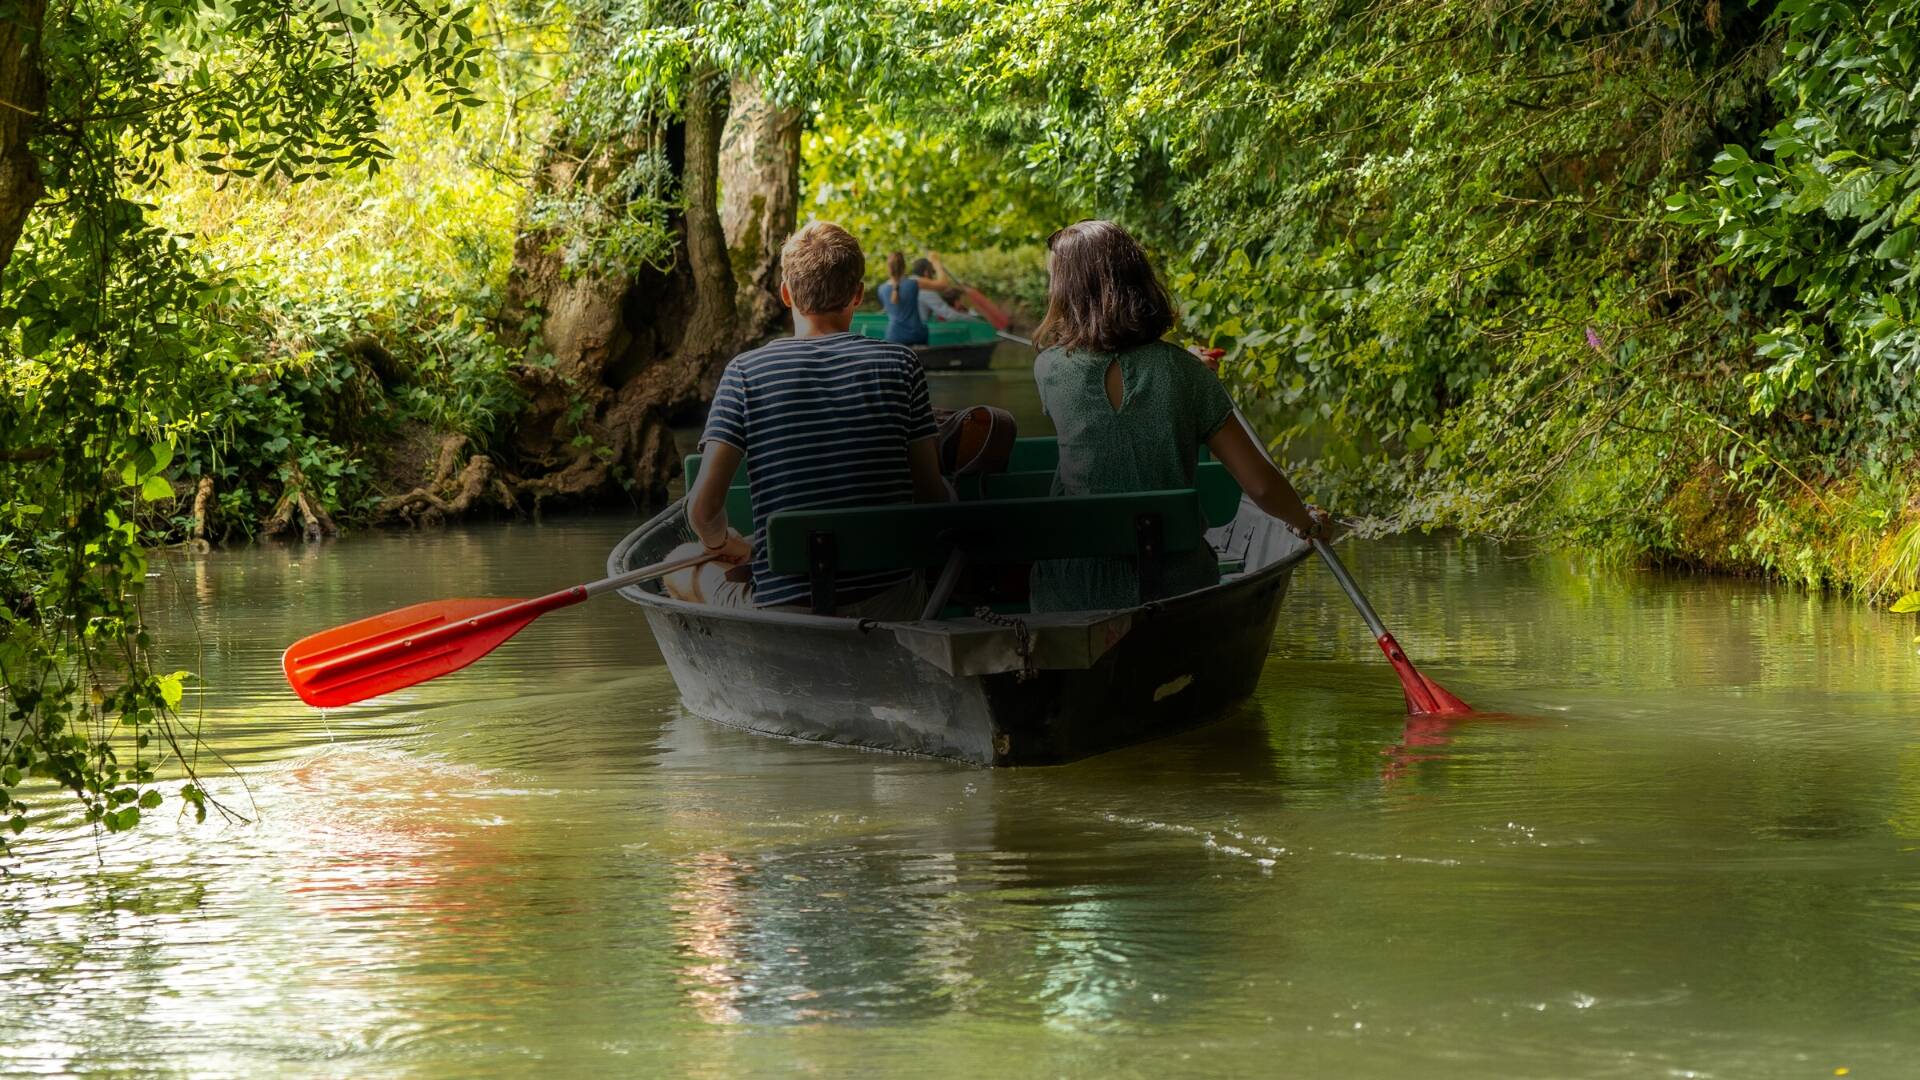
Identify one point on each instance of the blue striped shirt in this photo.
(824, 421)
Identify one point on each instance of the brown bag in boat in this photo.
(975, 440)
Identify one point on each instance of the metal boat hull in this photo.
(965, 689)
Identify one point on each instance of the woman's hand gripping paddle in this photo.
(1424, 696)
(411, 645)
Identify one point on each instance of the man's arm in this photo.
(923, 460)
(707, 503)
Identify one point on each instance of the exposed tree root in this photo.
(200, 538)
(314, 521)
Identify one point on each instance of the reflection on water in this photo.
(1698, 851)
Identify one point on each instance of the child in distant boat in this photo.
(825, 418)
(1132, 412)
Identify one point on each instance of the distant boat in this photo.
(978, 681)
(961, 345)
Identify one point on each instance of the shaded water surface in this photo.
(1695, 852)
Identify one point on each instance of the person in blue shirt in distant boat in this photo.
(900, 298)
(824, 418)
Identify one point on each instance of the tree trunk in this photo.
(711, 334)
(23, 96)
(633, 349)
(759, 202)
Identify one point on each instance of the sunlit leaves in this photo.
(113, 342)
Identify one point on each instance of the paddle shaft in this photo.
(1419, 691)
(1351, 588)
(554, 601)
(1423, 694)
(428, 642)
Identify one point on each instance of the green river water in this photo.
(1692, 849)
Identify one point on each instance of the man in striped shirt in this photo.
(824, 418)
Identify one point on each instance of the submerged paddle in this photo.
(1424, 696)
(410, 645)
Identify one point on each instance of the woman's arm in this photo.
(1263, 482)
(941, 279)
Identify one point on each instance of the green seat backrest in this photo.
(1219, 491)
(871, 324)
(993, 531)
(739, 501)
(948, 333)
(961, 332)
(1034, 453)
(1041, 453)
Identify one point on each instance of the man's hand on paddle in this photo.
(699, 584)
(733, 550)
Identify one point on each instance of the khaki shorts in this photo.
(902, 603)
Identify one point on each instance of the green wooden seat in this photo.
(1219, 491)
(1144, 526)
(1033, 453)
(1041, 453)
(960, 332)
(1026, 479)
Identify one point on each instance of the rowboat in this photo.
(977, 678)
(961, 345)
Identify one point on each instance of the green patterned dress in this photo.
(1170, 404)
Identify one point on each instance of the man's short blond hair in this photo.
(823, 267)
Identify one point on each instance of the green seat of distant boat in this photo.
(873, 324)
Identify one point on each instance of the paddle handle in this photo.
(631, 577)
(1423, 695)
(554, 601)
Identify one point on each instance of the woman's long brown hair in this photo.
(896, 266)
(1103, 295)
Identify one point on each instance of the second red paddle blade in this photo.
(395, 650)
(1424, 696)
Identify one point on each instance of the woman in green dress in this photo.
(1132, 412)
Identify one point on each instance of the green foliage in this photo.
(899, 187)
(1468, 262)
(1826, 209)
(117, 347)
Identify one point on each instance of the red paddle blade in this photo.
(1424, 696)
(400, 648)
(988, 310)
